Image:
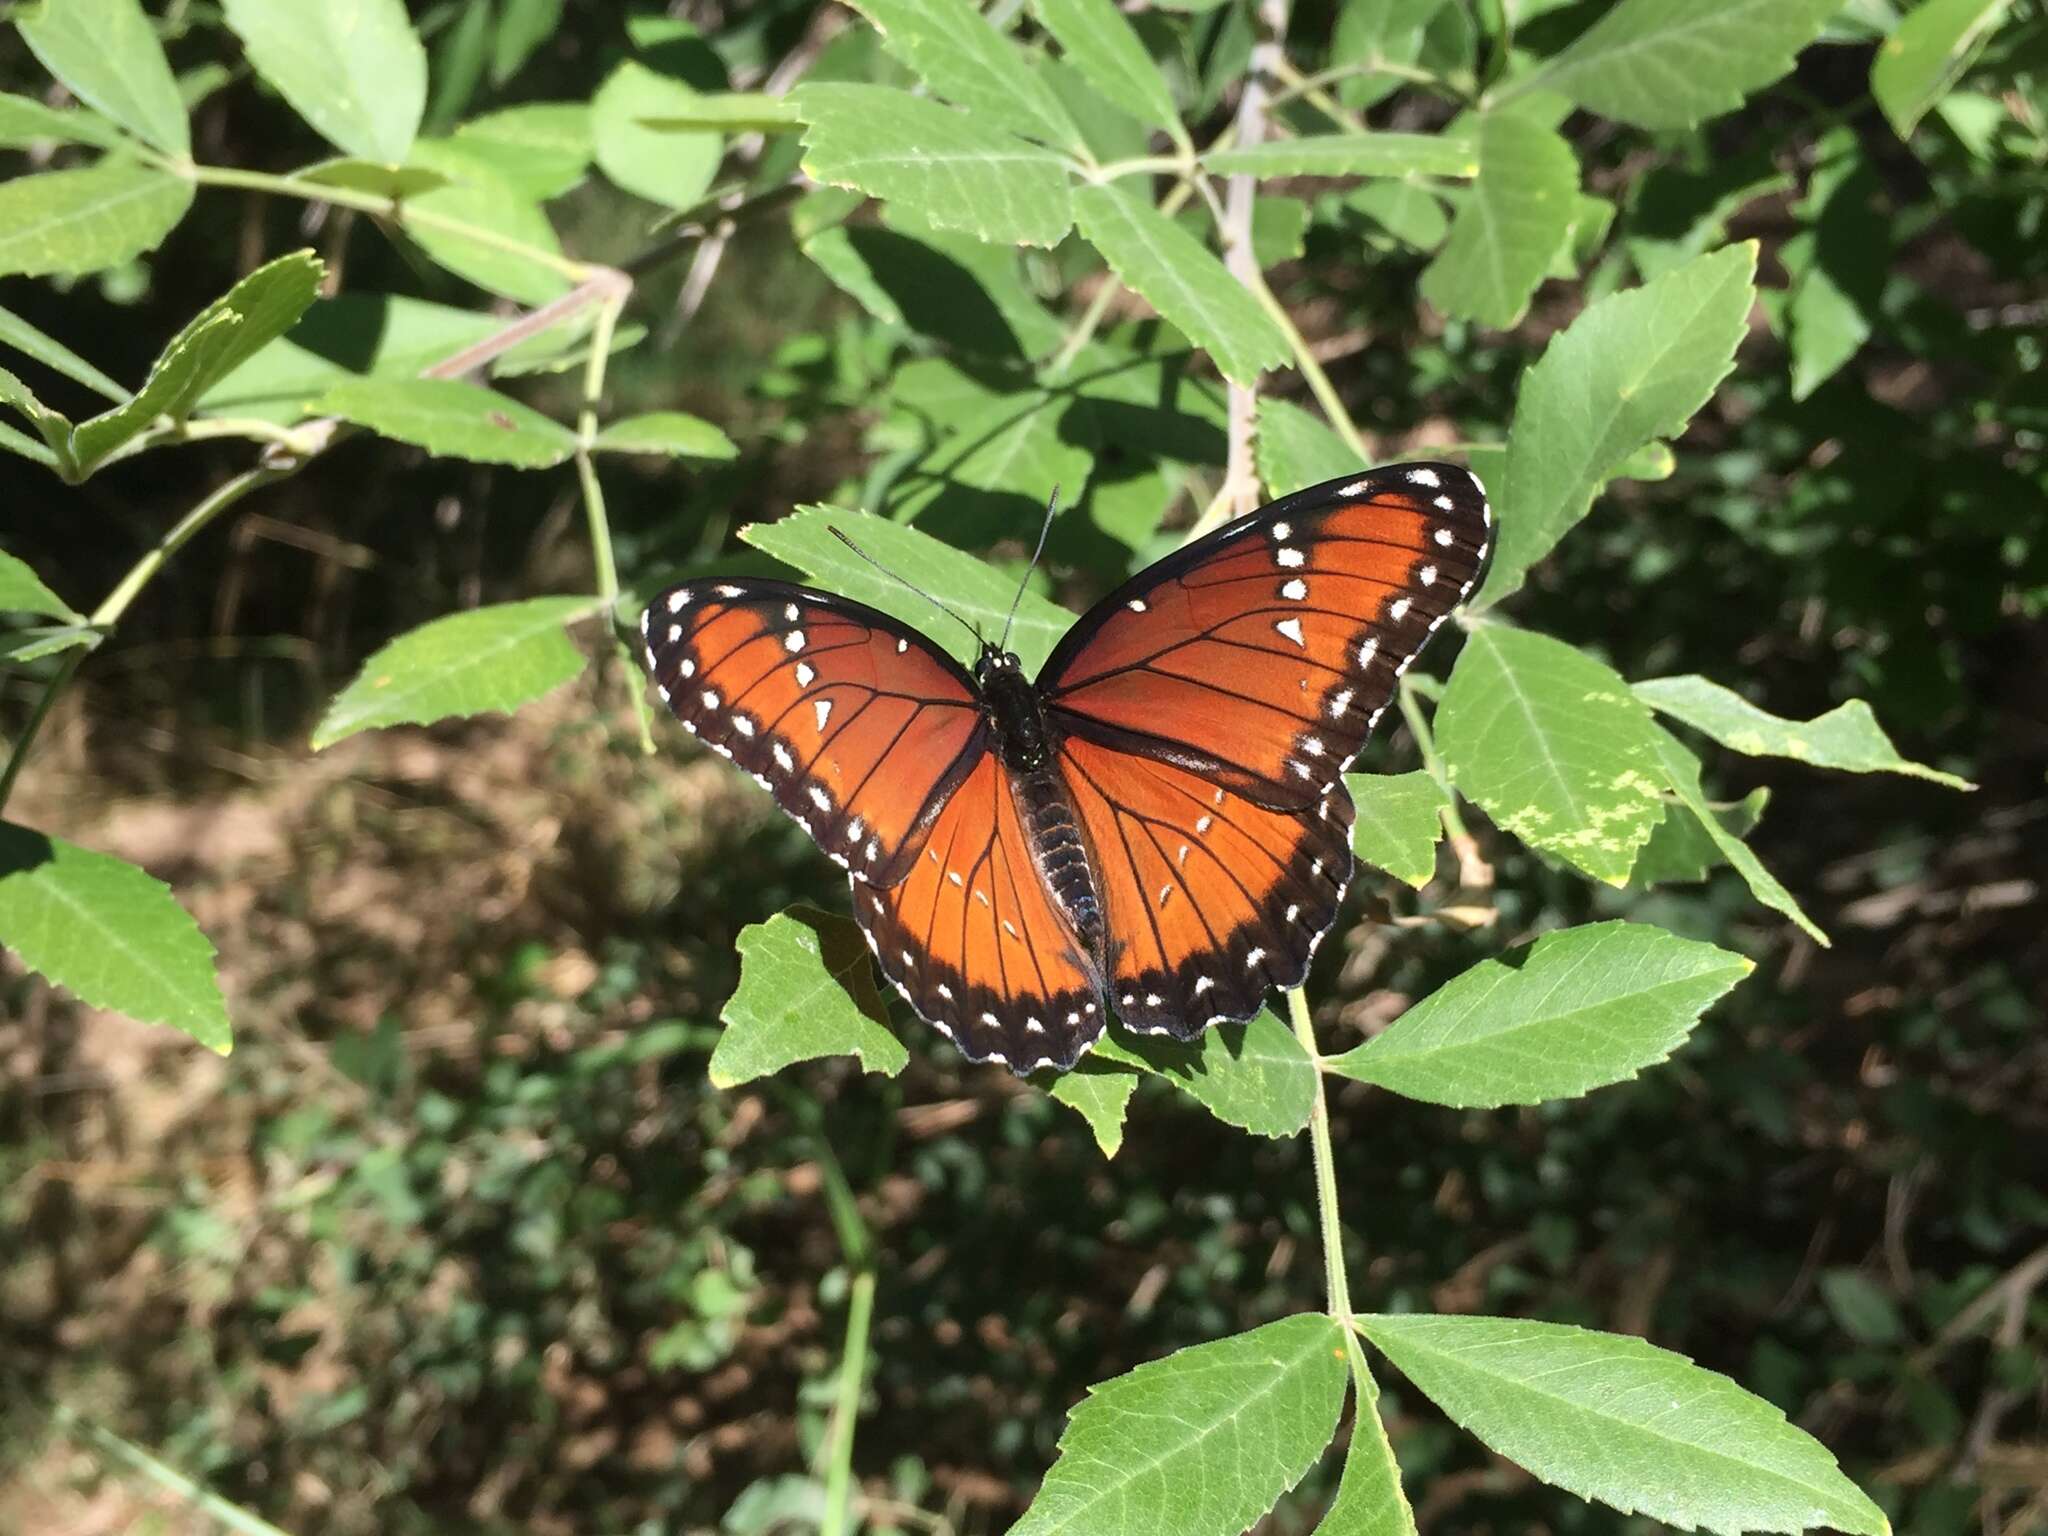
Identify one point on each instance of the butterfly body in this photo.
(1156, 824)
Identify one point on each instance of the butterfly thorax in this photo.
(1026, 744)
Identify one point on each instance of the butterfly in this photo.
(1157, 823)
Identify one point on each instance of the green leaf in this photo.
(372, 176)
(55, 449)
(522, 28)
(951, 171)
(1016, 448)
(107, 52)
(1575, 1011)
(1184, 281)
(109, 933)
(25, 121)
(84, 220)
(1670, 63)
(1106, 48)
(479, 661)
(1412, 214)
(977, 592)
(350, 336)
(542, 148)
(172, 386)
(807, 989)
(1921, 62)
(1399, 823)
(480, 194)
(1846, 737)
(1100, 1092)
(1837, 265)
(53, 354)
(1296, 448)
(40, 640)
(452, 419)
(353, 69)
(1513, 220)
(1552, 745)
(1633, 1426)
(728, 112)
(1681, 770)
(674, 169)
(1631, 368)
(219, 339)
(1861, 1307)
(1682, 852)
(1202, 1443)
(672, 434)
(22, 591)
(27, 447)
(1369, 1499)
(954, 50)
(1354, 154)
(1254, 1076)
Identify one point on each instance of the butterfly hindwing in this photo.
(857, 724)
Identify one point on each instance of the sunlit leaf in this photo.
(1575, 1011)
(1670, 63)
(452, 419)
(474, 662)
(107, 52)
(1297, 448)
(1618, 1420)
(1846, 737)
(672, 434)
(1923, 59)
(108, 933)
(1552, 745)
(956, 52)
(25, 121)
(659, 164)
(1147, 1452)
(807, 989)
(1099, 42)
(952, 172)
(22, 591)
(1099, 1091)
(1400, 822)
(1183, 279)
(1254, 1076)
(480, 195)
(353, 69)
(84, 220)
(1631, 368)
(1510, 225)
(1351, 154)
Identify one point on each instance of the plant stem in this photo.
(1334, 1276)
(853, 1364)
(218, 501)
(1318, 381)
(1474, 873)
(59, 680)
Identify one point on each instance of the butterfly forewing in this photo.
(857, 725)
(1265, 653)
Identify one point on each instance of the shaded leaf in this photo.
(108, 933)
(479, 194)
(25, 121)
(1100, 1093)
(1183, 279)
(353, 69)
(1400, 821)
(372, 176)
(40, 640)
(53, 354)
(22, 591)
(950, 170)
(452, 419)
(474, 662)
(1633, 1426)
(1670, 63)
(107, 52)
(1297, 448)
(976, 591)
(1682, 852)
(955, 51)
(55, 448)
(1861, 1307)
(1926, 55)
(1631, 368)
(1837, 266)
(1201, 1443)
(1254, 1076)
(1106, 48)
(728, 112)
(1681, 770)
(84, 220)
(1511, 223)
(673, 434)
(1575, 1011)
(1352, 154)
(352, 335)
(1552, 745)
(661, 165)
(543, 147)
(807, 989)
(1846, 737)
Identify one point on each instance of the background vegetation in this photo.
(464, 1236)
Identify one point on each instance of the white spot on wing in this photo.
(1289, 556)
(1202, 824)
(806, 674)
(954, 876)
(1312, 745)
(782, 758)
(1339, 702)
(1427, 576)
(791, 613)
(1136, 605)
(688, 668)
(1444, 537)
(793, 641)
(1252, 959)
(1291, 628)
(1446, 504)
(1368, 649)
(1282, 532)
(1426, 477)
(1400, 609)
(824, 708)
(710, 698)
(675, 633)
(730, 591)
(678, 601)
(1203, 984)
(743, 725)
(820, 799)
(1294, 590)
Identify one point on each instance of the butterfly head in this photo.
(995, 663)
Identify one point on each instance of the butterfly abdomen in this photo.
(1060, 853)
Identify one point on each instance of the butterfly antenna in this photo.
(906, 581)
(1044, 529)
